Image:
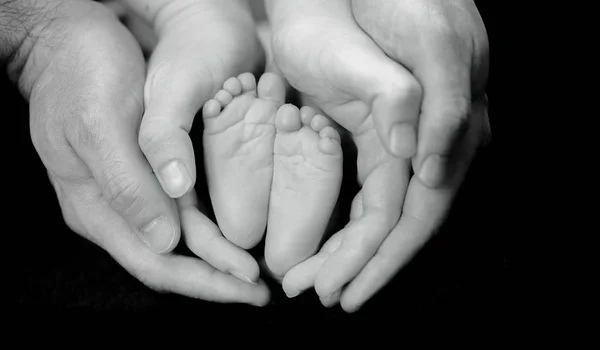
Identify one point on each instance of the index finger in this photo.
(183, 275)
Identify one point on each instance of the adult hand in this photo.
(83, 75)
(366, 256)
(445, 46)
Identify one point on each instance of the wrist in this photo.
(32, 32)
(18, 20)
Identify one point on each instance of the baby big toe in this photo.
(288, 119)
(271, 87)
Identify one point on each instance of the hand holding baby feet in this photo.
(444, 44)
(323, 53)
(375, 211)
(239, 132)
(186, 68)
(307, 176)
(358, 261)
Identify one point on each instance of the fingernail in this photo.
(326, 301)
(403, 140)
(354, 309)
(331, 299)
(432, 171)
(242, 277)
(175, 178)
(159, 234)
(292, 295)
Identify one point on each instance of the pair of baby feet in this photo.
(270, 165)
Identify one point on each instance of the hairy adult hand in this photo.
(84, 76)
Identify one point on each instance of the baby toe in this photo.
(330, 141)
(306, 115)
(233, 85)
(224, 97)
(248, 82)
(319, 122)
(211, 109)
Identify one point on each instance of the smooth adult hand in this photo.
(445, 46)
(360, 259)
(83, 75)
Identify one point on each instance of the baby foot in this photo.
(307, 176)
(239, 133)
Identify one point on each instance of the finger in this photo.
(69, 215)
(187, 67)
(424, 210)
(302, 276)
(382, 197)
(128, 184)
(332, 299)
(205, 240)
(167, 273)
(362, 71)
(444, 116)
(375, 211)
(445, 47)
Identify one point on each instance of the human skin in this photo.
(85, 79)
(444, 45)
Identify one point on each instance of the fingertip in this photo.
(161, 235)
(403, 140)
(175, 178)
(248, 271)
(433, 171)
(264, 296)
(331, 299)
(289, 288)
(350, 307)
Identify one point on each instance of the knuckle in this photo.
(155, 137)
(449, 117)
(83, 125)
(148, 140)
(408, 88)
(123, 193)
(456, 113)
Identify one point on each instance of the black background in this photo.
(466, 272)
